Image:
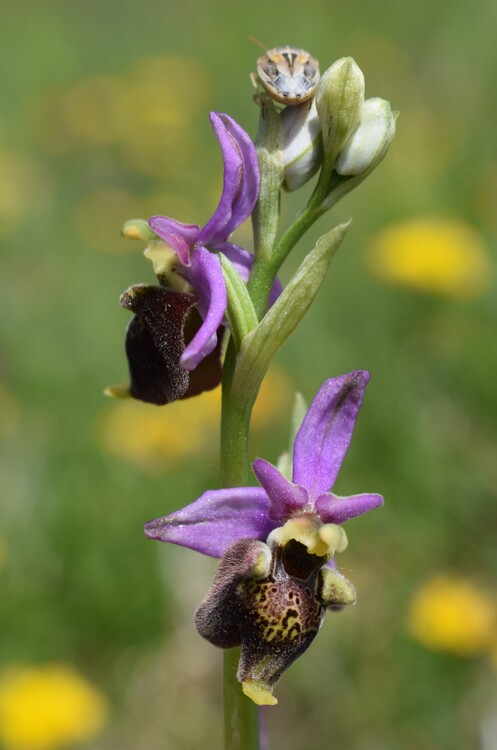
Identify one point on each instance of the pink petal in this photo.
(334, 509)
(181, 237)
(285, 498)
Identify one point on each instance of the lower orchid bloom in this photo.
(277, 542)
(174, 339)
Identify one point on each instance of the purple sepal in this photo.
(285, 498)
(240, 181)
(324, 437)
(216, 520)
(334, 509)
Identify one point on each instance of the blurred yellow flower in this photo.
(92, 109)
(101, 213)
(47, 707)
(148, 112)
(22, 185)
(426, 143)
(274, 400)
(432, 254)
(449, 613)
(155, 439)
(99, 217)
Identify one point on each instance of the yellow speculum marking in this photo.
(322, 540)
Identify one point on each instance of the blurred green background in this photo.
(104, 118)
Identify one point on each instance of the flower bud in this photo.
(303, 150)
(339, 100)
(369, 142)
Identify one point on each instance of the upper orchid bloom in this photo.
(190, 242)
(158, 358)
(277, 577)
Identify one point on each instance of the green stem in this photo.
(241, 717)
(264, 271)
(241, 721)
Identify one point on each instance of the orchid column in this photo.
(276, 542)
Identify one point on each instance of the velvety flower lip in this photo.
(220, 517)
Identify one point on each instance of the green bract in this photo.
(261, 344)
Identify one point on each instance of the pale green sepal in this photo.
(138, 229)
(121, 390)
(269, 145)
(284, 465)
(339, 100)
(298, 414)
(285, 462)
(262, 343)
(342, 185)
(240, 312)
(369, 142)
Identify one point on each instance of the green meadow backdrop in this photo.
(104, 117)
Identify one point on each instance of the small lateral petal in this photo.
(181, 237)
(324, 437)
(206, 275)
(334, 509)
(216, 520)
(285, 498)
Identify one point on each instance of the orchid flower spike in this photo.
(277, 542)
(174, 339)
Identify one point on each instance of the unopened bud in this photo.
(369, 142)
(339, 101)
(303, 150)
